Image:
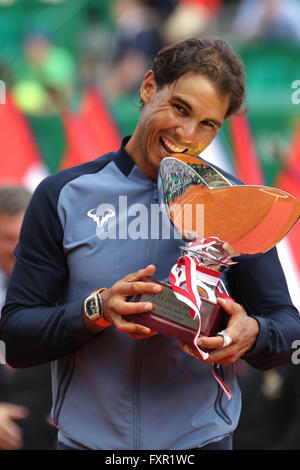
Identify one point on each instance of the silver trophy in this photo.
(218, 222)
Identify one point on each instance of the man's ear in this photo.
(148, 87)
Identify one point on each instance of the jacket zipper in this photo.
(155, 200)
(218, 402)
(137, 393)
(139, 359)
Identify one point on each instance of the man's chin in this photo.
(153, 163)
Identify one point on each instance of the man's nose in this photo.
(187, 132)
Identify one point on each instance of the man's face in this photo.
(10, 226)
(181, 117)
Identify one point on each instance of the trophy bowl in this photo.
(217, 222)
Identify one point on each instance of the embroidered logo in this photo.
(102, 219)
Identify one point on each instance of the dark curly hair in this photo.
(209, 56)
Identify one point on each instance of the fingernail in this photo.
(157, 288)
(148, 307)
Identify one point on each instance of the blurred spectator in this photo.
(44, 75)
(137, 28)
(268, 19)
(13, 202)
(190, 18)
(101, 34)
(25, 395)
(271, 411)
(94, 42)
(136, 42)
(163, 9)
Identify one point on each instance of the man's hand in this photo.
(10, 433)
(115, 305)
(242, 329)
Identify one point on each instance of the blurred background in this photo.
(70, 72)
(53, 51)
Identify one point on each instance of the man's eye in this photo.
(180, 109)
(208, 124)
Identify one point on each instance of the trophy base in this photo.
(171, 317)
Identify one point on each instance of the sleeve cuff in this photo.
(74, 324)
(261, 340)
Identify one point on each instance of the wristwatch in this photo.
(93, 309)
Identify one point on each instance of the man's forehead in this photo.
(192, 83)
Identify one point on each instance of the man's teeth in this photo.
(170, 147)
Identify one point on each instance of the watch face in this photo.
(92, 307)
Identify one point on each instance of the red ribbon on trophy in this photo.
(185, 278)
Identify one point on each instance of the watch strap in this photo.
(98, 291)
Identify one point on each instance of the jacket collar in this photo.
(123, 160)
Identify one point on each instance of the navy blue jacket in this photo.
(110, 392)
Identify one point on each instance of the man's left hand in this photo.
(242, 329)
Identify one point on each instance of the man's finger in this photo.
(192, 351)
(144, 272)
(214, 357)
(229, 250)
(131, 328)
(16, 411)
(126, 289)
(224, 358)
(211, 342)
(139, 336)
(131, 308)
(230, 306)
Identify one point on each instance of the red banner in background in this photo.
(293, 159)
(20, 161)
(289, 180)
(91, 133)
(248, 168)
(79, 146)
(96, 117)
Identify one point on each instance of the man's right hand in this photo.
(115, 305)
(10, 432)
